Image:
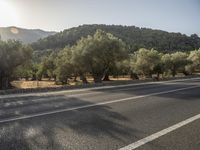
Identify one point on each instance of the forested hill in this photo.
(134, 37)
(26, 36)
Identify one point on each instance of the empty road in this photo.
(144, 116)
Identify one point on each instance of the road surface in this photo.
(148, 116)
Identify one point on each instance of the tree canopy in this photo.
(97, 54)
(175, 62)
(12, 54)
(145, 61)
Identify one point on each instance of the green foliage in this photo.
(122, 68)
(40, 71)
(134, 38)
(24, 71)
(39, 56)
(64, 67)
(98, 54)
(194, 61)
(48, 65)
(45, 66)
(12, 55)
(175, 62)
(145, 61)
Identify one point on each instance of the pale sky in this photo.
(169, 15)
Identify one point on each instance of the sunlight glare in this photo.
(8, 15)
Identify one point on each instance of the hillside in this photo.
(134, 37)
(25, 35)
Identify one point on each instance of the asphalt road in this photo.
(104, 119)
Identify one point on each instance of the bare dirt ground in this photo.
(22, 84)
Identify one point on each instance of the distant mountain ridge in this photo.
(133, 36)
(26, 36)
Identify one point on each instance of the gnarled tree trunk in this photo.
(97, 78)
(134, 76)
(4, 81)
(83, 78)
(106, 77)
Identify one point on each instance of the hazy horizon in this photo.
(49, 15)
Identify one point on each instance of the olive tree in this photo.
(194, 61)
(48, 66)
(97, 54)
(144, 61)
(175, 62)
(12, 55)
(24, 71)
(64, 67)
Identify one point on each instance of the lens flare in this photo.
(14, 30)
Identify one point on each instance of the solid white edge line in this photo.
(87, 89)
(81, 94)
(93, 105)
(159, 134)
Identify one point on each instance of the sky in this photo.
(56, 15)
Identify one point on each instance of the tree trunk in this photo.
(186, 73)
(75, 78)
(4, 81)
(34, 77)
(134, 76)
(64, 80)
(158, 76)
(1, 79)
(97, 79)
(173, 73)
(83, 78)
(106, 77)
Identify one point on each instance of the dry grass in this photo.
(33, 84)
(46, 83)
(22, 84)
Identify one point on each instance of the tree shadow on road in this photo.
(76, 129)
(94, 127)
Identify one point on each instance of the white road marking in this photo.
(53, 98)
(17, 101)
(95, 104)
(88, 89)
(159, 134)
